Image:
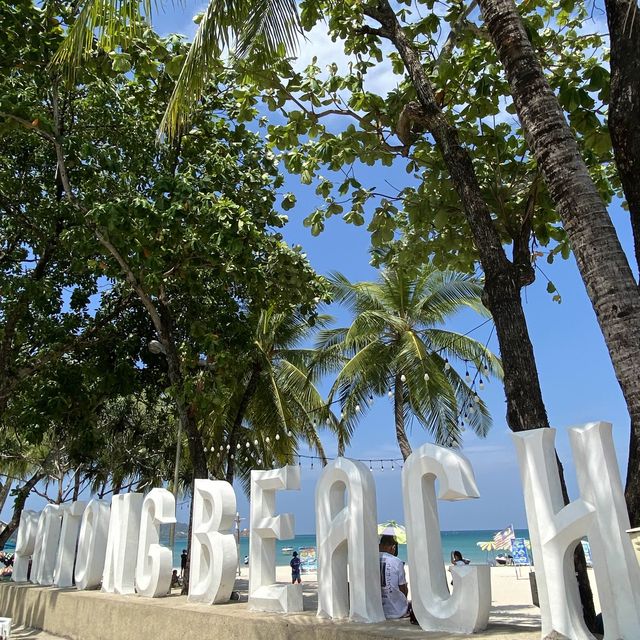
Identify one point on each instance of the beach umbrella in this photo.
(488, 545)
(392, 528)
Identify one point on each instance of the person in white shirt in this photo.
(393, 582)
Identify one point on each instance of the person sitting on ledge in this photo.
(175, 579)
(393, 581)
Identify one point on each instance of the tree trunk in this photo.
(185, 576)
(602, 263)
(398, 410)
(249, 392)
(18, 506)
(185, 411)
(5, 491)
(623, 17)
(503, 280)
(76, 485)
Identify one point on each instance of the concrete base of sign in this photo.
(91, 615)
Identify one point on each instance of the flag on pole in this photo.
(502, 539)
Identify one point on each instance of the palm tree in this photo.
(232, 25)
(275, 403)
(396, 344)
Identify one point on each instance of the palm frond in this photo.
(104, 23)
(455, 345)
(225, 23)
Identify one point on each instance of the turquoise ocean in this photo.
(463, 541)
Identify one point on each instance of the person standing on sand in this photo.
(295, 568)
(183, 562)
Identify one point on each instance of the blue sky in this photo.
(576, 374)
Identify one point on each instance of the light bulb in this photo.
(393, 467)
(238, 446)
(259, 460)
(232, 456)
(267, 440)
(403, 378)
(289, 434)
(228, 447)
(248, 445)
(467, 377)
(357, 407)
(426, 377)
(312, 464)
(221, 448)
(370, 467)
(390, 393)
(246, 459)
(277, 436)
(481, 384)
(447, 366)
(205, 449)
(255, 443)
(476, 398)
(328, 421)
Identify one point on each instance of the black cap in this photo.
(295, 553)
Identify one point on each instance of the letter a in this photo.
(466, 610)
(214, 555)
(266, 527)
(555, 529)
(347, 537)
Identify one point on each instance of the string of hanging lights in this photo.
(467, 407)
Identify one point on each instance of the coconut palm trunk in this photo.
(601, 260)
(623, 18)
(398, 411)
(503, 279)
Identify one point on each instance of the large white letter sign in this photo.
(122, 544)
(555, 530)
(214, 554)
(92, 545)
(25, 545)
(266, 527)
(153, 568)
(466, 610)
(348, 558)
(71, 515)
(46, 551)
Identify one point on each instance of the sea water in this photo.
(463, 541)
